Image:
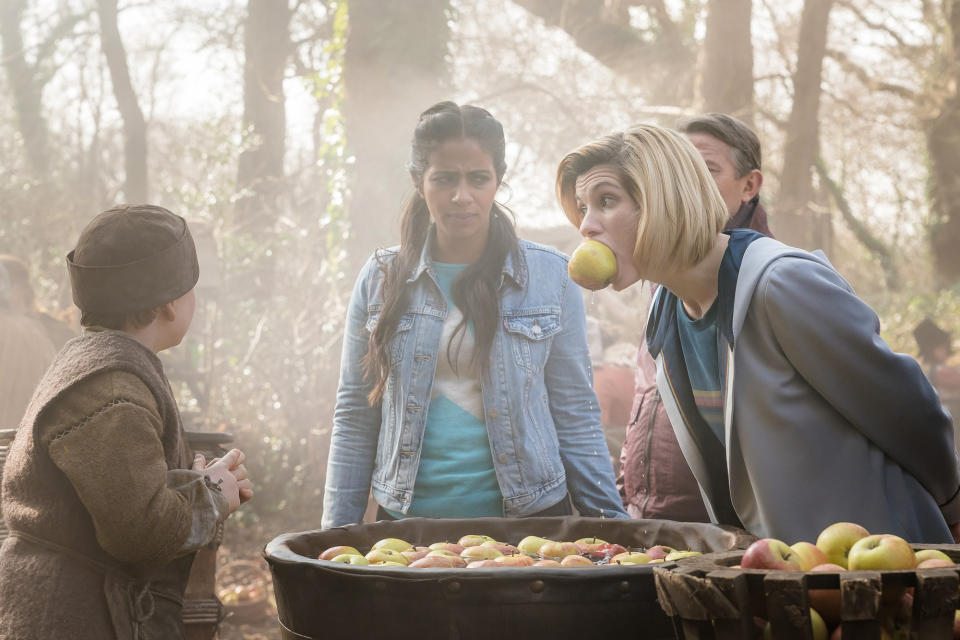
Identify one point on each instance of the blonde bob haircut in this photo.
(679, 208)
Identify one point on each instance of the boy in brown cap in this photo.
(104, 504)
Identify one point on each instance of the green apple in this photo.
(382, 556)
(630, 557)
(930, 554)
(809, 555)
(936, 563)
(531, 545)
(592, 265)
(333, 552)
(396, 544)
(589, 545)
(835, 541)
(817, 625)
(881, 552)
(478, 552)
(350, 558)
(474, 540)
(680, 555)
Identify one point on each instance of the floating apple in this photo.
(515, 560)
(383, 556)
(395, 544)
(415, 554)
(485, 564)
(350, 558)
(659, 551)
(502, 547)
(474, 540)
(630, 557)
(458, 562)
(531, 545)
(547, 563)
(333, 552)
(835, 541)
(477, 552)
(576, 561)
(448, 546)
(609, 550)
(770, 553)
(880, 552)
(557, 550)
(679, 555)
(589, 545)
(809, 555)
(592, 265)
(432, 562)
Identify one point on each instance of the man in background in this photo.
(654, 479)
(25, 354)
(23, 300)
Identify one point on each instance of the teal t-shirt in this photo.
(456, 478)
(698, 340)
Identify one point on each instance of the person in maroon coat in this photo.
(654, 479)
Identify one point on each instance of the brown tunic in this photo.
(99, 512)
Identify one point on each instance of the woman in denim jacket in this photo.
(465, 383)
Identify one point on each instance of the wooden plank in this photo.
(934, 604)
(860, 605)
(788, 609)
(697, 630)
(732, 584)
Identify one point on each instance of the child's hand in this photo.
(229, 474)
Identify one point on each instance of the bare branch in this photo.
(869, 81)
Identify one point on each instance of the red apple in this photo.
(936, 563)
(588, 545)
(835, 541)
(826, 601)
(412, 555)
(502, 547)
(809, 555)
(659, 551)
(333, 552)
(458, 562)
(432, 562)
(881, 552)
(770, 553)
(609, 550)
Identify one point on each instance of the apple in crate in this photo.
(931, 554)
(817, 625)
(837, 539)
(809, 555)
(680, 555)
(826, 601)
(881, 552)
(333, 552)
(770, 553)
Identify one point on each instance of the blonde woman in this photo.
(789, 408)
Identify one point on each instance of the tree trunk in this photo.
(658, 60)
(26, 89)
(395, 66)
(135, 187)
(260, 167)
(795, 223)
(943, 145)
(726, 82)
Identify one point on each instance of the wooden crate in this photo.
(707, 597)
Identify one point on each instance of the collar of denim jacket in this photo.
(514, 266)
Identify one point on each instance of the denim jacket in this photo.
(542, 415)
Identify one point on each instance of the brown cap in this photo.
(131, 258)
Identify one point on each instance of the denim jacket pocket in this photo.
(530, 332)
(399, 337)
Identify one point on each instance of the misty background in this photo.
(280, 129)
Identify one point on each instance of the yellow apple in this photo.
(395, 544)
(836, 540)
(592, 265)
(383, 556)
